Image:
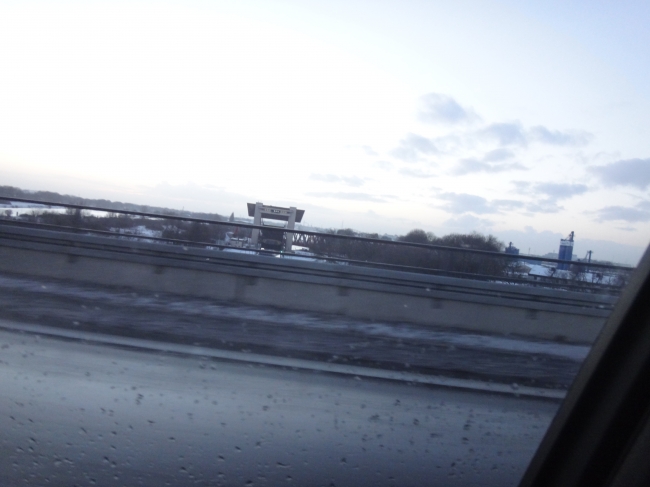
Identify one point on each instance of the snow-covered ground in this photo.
(139, 230)
(240, 251)
(303, 255)
(19, 204)
(17, 209)
(537, 270)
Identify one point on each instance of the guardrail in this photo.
(356, 292)
(433, 259)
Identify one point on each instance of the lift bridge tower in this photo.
(565, 252)
(273, 238)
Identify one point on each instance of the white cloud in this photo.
(413, 147)
(638, 213)
(511, 133)
(385, 165)
(556, 137)
(467, 166)
(369, 150)
(333, 178)
(466, 223)
(460, 203)
(630, 172)
(438, 108)
(341, 195)
(554, 191)
(546, 195)
(415, 173)
(498, 155)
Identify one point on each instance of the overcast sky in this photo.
(523, 119)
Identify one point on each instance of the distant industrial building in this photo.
(566, 252)
(511, 249)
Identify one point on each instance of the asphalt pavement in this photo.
(333, 339)
(86, 414)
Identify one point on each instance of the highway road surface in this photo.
(332, 339)
(74, 412)
(104, 386)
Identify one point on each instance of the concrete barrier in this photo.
(363, 293)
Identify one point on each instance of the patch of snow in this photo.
(241, 251)
(539, 270)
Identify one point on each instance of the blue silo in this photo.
(565, 252)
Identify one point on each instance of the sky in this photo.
(526, 120)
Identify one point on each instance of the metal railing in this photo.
(335, 248)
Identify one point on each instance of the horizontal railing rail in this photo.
(527, 257)
(371, 242)
(550, 282)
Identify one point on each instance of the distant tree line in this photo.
(430, 258)
(49, 196)
(167, 228)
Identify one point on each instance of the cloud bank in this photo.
(443, 109)
(461, 203)
(341, 195)
(415, 173)
(638, 213)
(332, 178)
(413, 147)
(548, 194)
(572, 138)
(630, 172)
(472, 165)
(505, 134)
